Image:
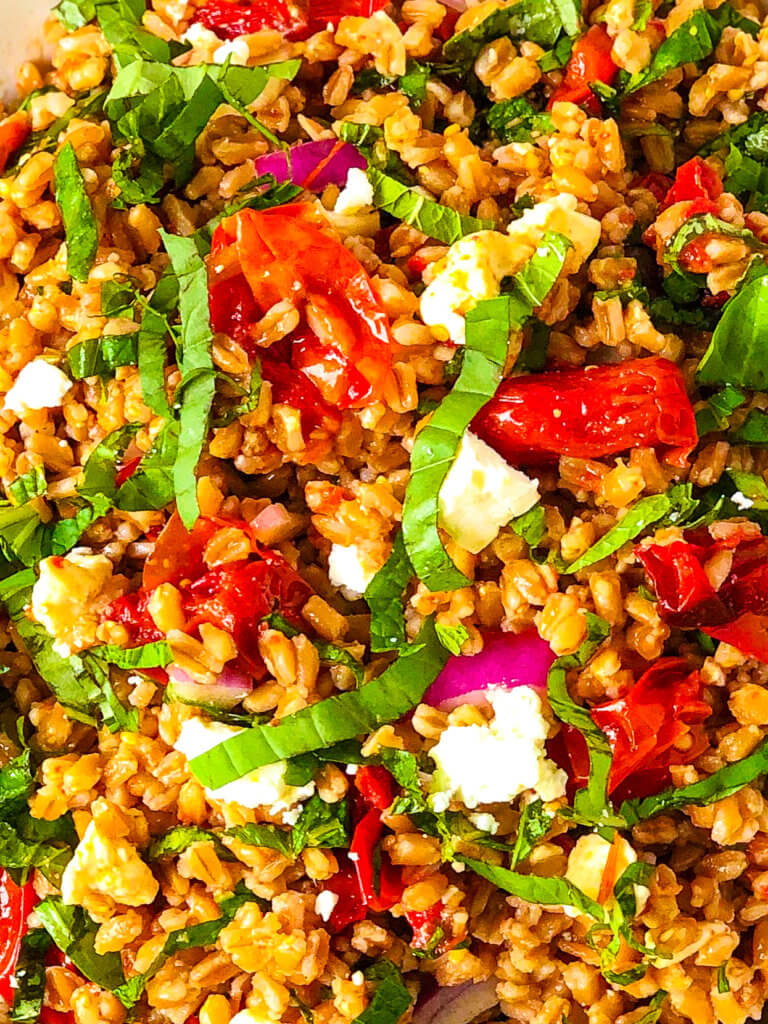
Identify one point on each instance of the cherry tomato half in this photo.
(590, 61)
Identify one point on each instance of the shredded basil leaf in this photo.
(391, 998)
(452, 637)
(531, 525)
(100, 357)
(197, 397)
(180, 838)
(540, 21)
(723, 985)
(73, 932)
(714, 415)
(590, 803)
(754, 429)
(431, 218)
(340, 717)
(81, 229)
(489, 325)
(29, 976)
(535, 822)
(738, 351)
(27, 486)
(673, 505)
(152, 655)
(546, 891)
(721, 784)
(384, 597)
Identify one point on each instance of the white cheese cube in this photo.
(40, 385)
(481, 493)
(357, 193)
(351, 569)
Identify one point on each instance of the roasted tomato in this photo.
(590, 62)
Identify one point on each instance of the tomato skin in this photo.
(645, 729)
(16, 904)
(235, 596)
(656, 183)
(586, 413)
(694, 180)
(14, 132)
(343, 344)
(375, 785)
(737, 612)
(294, 20)
(590, 61)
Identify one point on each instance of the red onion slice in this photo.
(457, 1004)
(507, 660)
(312, 165)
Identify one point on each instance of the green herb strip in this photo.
(198, 387)
(82, 232)
(384, 597)
(341, 717)
(429, 217)
(548, 892)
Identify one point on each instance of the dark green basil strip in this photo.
(738, 351)
(120, 21)
(192, 937)
(80, 227)
(391, 998)
(341, 717)
(513, 120)
(114, 715)
(488, 328)
(151, 343)
(531, 525)
(29, 976)
(431, 218)
(180, 838)
(549, 892)
(672, 506)
(384, 597)
(718, 786)
(452, 638)
(489, 325)
(150, 486)
(754, 429)
(17, 782)
(751, 137)
(590, 803)
(153, 655)
(73, 932)
(100, 357)
(694, 40)
(197, 397)
(27, 486)
(534, 824)
(723, 985)
(714, 415)
(540, 21)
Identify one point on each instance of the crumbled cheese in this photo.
(358, 978)
(250, 1017)
(199, 36)
(475, 266)
(325, 903)
(236, 50)
(741, 501)
(588, 860)
(40, 385)
(471, 270)
(68, 596)
(494, 763)
(481, 493)
(357, 193)
(107, 866)
(265, 787)
(352, 769)
(351, 569)
(485, 822)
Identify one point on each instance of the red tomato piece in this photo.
(350, 907)
(230, 20)
(590, 61)
(586, 413)
(235, 596)
(293, 388)
(737, 611)
(694, 179)
(656, 183)
(385, 891)
(344, 345)
(14, 132)
(655, 725)
(375, 785)
(424, 923)
(16, 904)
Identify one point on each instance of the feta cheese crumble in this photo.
(494, 763)
(481, 493)
(40, 385)
(357, 193)
(235, 49)
(68, 596)
(351, 569)
(475, 266)
(325, 903)
(263, 787)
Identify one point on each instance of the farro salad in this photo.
(384, 540)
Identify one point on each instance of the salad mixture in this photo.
(384, 531)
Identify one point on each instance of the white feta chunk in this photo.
(199, 36)
(494, 763)
(264, 787)
(325, 903)
(40, 385)
(107, 866)
(481, 493)
(351, 569)
(357, 193)
(236, 50)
